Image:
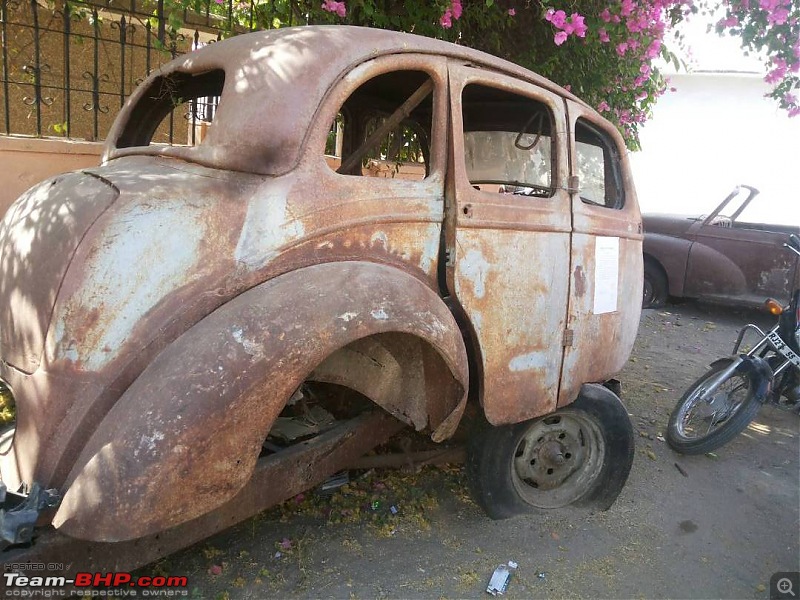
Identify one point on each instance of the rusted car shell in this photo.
(276, 79)
(181, 295)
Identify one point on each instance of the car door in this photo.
(508, 235)
(735, 261)
(606, 254)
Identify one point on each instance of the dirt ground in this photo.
(718, 527)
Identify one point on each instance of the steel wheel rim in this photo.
(558, 459)
(699, 418)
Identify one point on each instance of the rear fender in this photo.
(185, 436)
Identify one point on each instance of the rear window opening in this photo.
(176, 109)
(384, 128)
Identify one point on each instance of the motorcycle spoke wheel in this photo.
(699, 417)
(703, 422)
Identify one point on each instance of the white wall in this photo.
(715, 131)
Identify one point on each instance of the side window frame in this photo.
(467, 76)
(612, 164)
(333, 103)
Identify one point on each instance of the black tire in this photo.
(584, 453)
(655, 289)
(733, 406)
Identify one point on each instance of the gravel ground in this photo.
(717, 527)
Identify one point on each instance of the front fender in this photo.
(185, 436)
(757, 369)
(672, 253)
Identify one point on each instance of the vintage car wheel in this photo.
(654, 291)
(580, 455)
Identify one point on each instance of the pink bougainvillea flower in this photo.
(556, 17)
(332, 6)
(560, 37)
(606, 15)
(603, 35)
(731, 21)
(790, 98)
(627, 6)
(603, 106)
(456, 9)
(653, 49)
(779, 16)
(645, 69)
(578, 25)
(511, 12)
(446, 20)
(622, 48)
(794, 111)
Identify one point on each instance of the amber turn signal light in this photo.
(773, 306)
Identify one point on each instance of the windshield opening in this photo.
(176, 109)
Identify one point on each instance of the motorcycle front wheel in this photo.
(698, 425)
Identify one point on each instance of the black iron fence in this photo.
(67, 68)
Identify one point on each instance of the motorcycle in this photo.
(723, 402)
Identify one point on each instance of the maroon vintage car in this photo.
(718, 257)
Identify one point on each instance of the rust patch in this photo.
(580, 281)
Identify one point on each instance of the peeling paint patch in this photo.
(250, 347)
(528, 362)
(474, 268)
(268, 227)
(580, 281)
(148, 442)
(477, 321)
(430, 249)
(379, 314)
(135, 245)
(379, 238)
(348, 316)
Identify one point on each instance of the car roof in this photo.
(275, 81)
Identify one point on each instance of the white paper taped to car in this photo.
(606, 274)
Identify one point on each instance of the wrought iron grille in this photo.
(67, 68)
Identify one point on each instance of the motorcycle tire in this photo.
(578, 456)
(734, 418)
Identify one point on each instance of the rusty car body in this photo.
(719, 257)
(163, 311)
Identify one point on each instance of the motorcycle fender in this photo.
(185, 436)
(760, 374)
